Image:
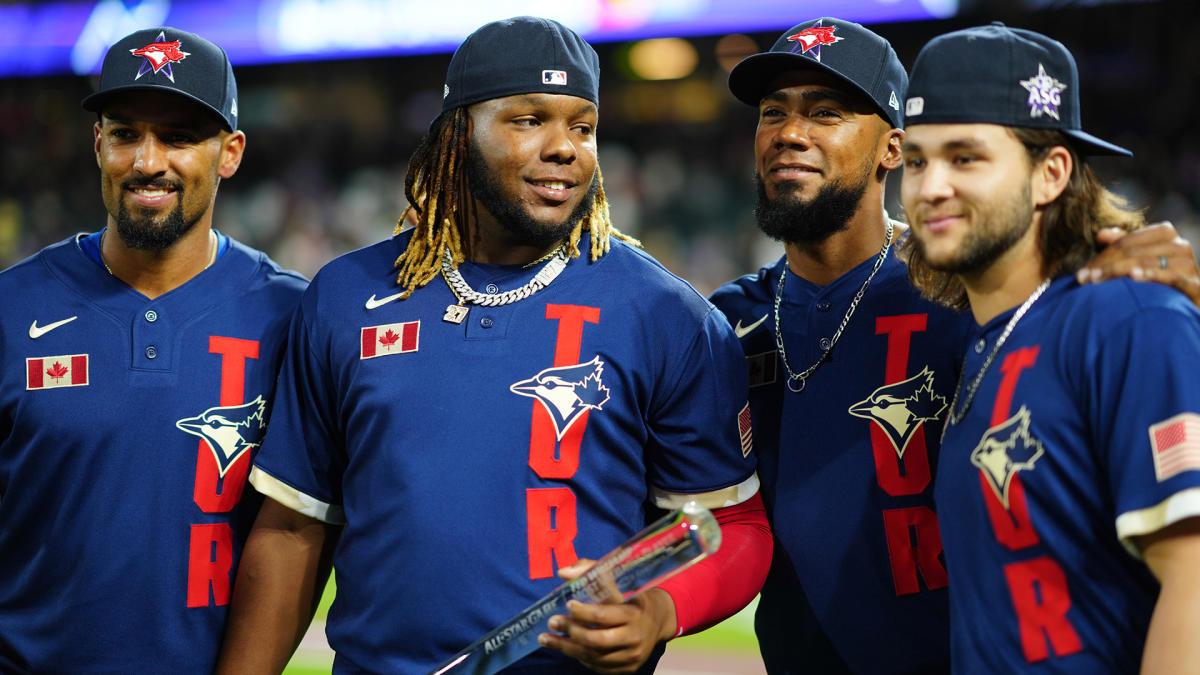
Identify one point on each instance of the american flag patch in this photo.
(390, 338)
(554, 77)
(744, 430)
(1176, 445)
(51, 372)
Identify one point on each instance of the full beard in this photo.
(788, 219)
(147, 235)
(522, 228)
(1003, 227)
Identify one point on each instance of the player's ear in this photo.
(1051, 175)
(890, 156)
(233, 145)
(96, 129)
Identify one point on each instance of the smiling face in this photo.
(532, 166)
(161, 158)
(967, 193)
(817, 147)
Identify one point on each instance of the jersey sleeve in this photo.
(700, 440)
(302, 458)
(1147, 418)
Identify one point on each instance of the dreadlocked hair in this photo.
(1069, 223)
(439, 196)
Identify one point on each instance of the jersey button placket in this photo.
(151, 331)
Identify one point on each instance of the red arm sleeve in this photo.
(718, 586)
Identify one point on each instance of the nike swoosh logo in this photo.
(742, 331)
(36, 331)
(372, 303)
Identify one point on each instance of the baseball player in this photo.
(1069, 473)
(138, 366)
(849, 367)
(851, 370)
(484, 400)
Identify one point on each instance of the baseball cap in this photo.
(521, 55)
(169, 59)
(844, 49)
(999, 75)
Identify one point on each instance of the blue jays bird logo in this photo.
(229, 430)
(566, 391)
(1006, 449)
(159, 56)
(899, 409)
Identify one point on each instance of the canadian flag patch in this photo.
(744, 430)
(390, 338)
(1176, 445)
(51, 372)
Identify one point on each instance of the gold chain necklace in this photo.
(212, 257)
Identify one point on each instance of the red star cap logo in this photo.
(159, 55)
(814, 36)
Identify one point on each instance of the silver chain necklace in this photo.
(956, 417)
(465, 294)
(802, 378)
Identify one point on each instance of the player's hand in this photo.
(611, 638)
(1154, 253)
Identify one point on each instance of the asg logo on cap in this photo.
(159, 56)
(558, 77)
(1045, 93)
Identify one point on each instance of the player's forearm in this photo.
(1174, 557)
(717, 587)
(275, 591)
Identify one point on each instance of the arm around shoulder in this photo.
(283, 568)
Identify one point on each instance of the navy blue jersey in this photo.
(1083, 434)
(469, 462)
(858, 579)
(126, 432)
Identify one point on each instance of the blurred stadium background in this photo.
(335, 93)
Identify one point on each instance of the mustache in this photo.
(152, 183)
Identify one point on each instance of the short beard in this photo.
(790, 220)
(521, 226)
(146, 235)
(1004, 227)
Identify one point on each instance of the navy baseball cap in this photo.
(169, 59)
(999, 75)
(844, 49)
(521, 55)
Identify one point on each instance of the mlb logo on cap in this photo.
(558, 77)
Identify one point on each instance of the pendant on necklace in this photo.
(455, 313)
